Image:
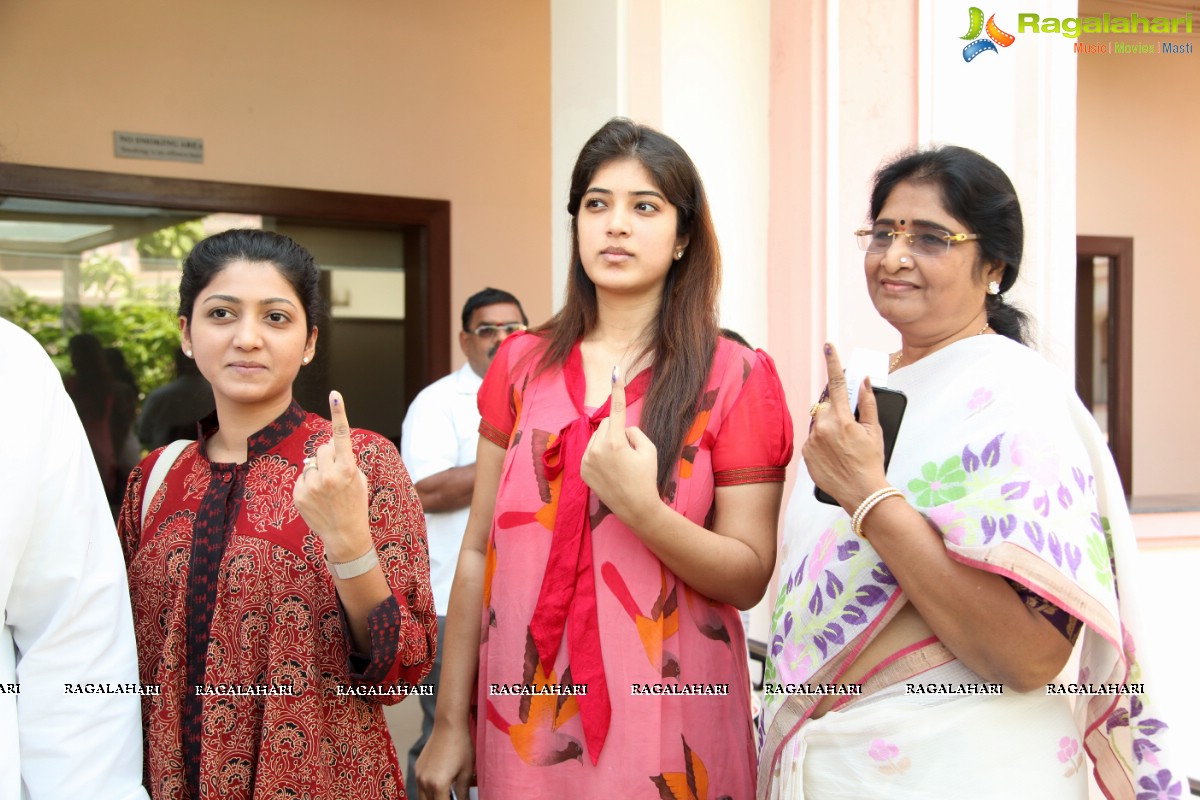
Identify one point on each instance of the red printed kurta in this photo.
(672, 663)
(231, 594)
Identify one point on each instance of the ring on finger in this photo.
(309, 463)
(818, 407)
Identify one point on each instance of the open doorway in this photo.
(1104, 341)
(82, 240)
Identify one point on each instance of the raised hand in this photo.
(331, 492)
(844, 456)
(621, 464)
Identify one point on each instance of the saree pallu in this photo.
(1002, 459)
(916, 746)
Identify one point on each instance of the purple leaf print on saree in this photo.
(1042, 504)
(989, 528)
(815, 603)
(1080, 479)
(1034, 531)
(881, 574)
(1119, 719)
(1149, 727)
(1008, 525)
(794, 578)
(1074, 556)
(1064, 496)
(1015, 490)
(970, 461)
(1144, 750)
(991, 452)
(1055, 547)
(777, 642)
(870, 595)
(847, 549)
(854, 615)
(833, 586)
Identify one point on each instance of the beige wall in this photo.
(399, 97)
(1138, 170)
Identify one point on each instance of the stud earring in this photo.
(678, 254)
(187, 353)
(994, 287)
(304, 360)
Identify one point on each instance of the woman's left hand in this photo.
(331, 492)
(621, 464)
(844, 456)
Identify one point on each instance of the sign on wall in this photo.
(158, 147)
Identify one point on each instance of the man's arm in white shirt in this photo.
(430, 450)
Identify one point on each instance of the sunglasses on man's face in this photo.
(492, 331)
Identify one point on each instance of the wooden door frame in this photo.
(427, 301)
(1119, 250)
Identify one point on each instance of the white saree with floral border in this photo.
(1004, 461)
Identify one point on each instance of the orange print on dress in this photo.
(699, 427)
(653, 630)
(692, 784)
(489, 572)
(536, 738)
(548, 490)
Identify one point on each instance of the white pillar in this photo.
(699, 71)
(1017, 107)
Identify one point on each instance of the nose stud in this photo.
(903, 260)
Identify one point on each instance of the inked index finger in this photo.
(342, 447)
(616, 407)
(839, 398)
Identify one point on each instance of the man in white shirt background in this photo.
(70, 712)
(438, 442)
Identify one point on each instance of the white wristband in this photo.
(352, 569)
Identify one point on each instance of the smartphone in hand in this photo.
(891, 404)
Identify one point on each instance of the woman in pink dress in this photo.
(616, 526)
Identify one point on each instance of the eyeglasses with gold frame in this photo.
(928, 242)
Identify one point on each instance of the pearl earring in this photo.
(304, 360)
(994, 287)
(678, 254)
(187, 353)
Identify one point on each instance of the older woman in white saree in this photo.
(952, 586)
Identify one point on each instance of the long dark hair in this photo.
(977, 193)
(684, 338)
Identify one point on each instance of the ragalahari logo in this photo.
(995, 36)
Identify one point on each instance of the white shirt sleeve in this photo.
(67, 618)
(429, 439)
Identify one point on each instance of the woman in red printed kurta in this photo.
(614, 527)
(281, 566)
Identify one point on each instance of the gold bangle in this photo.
(864, 508)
